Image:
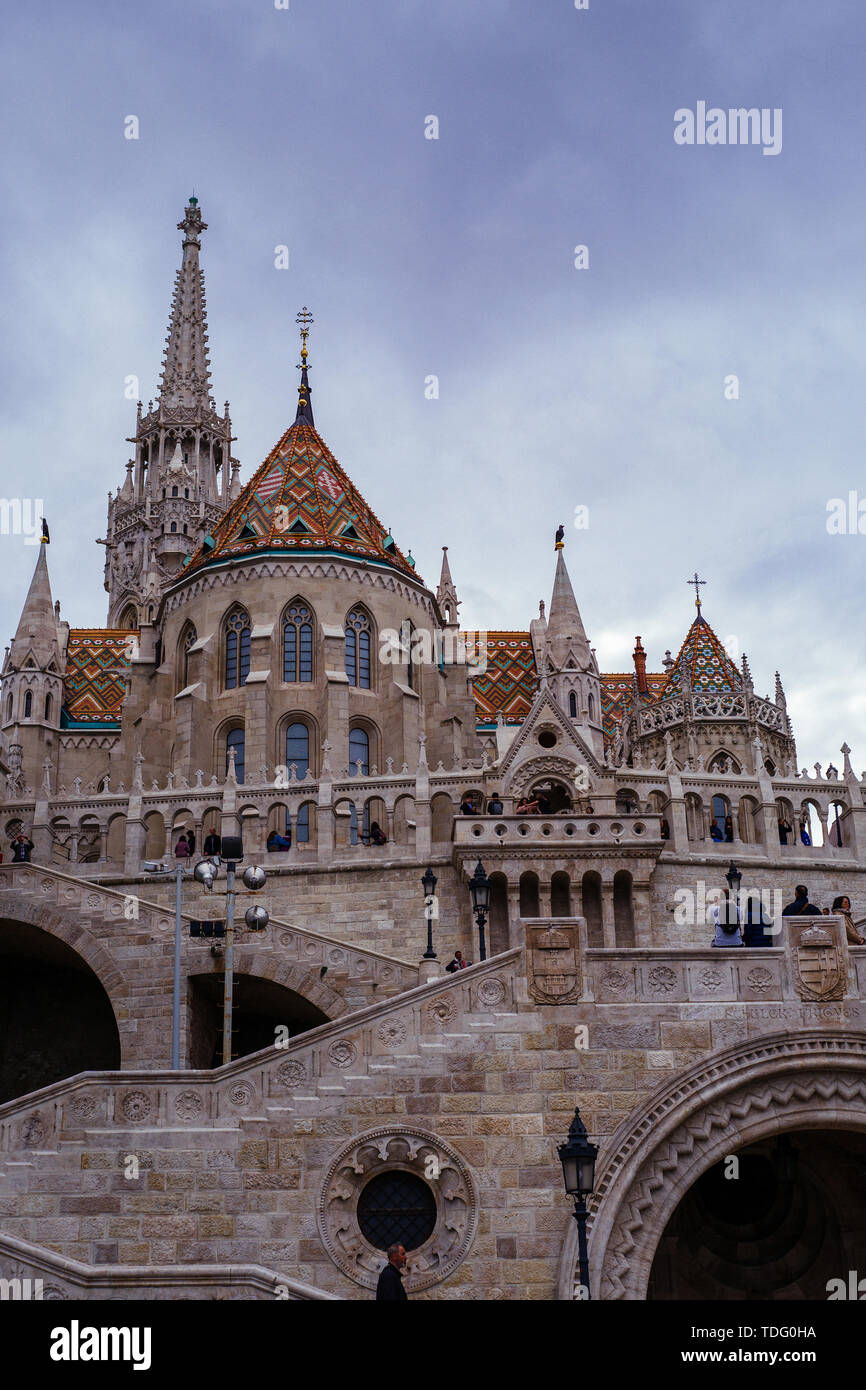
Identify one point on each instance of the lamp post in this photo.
(577, 1156)
(728, 918)
(256, 918)
(428, 883)
(479, 888)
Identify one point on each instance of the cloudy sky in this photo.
(559, 387)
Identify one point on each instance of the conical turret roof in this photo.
(702, 663)
(36, 634)
(300, 501)
(566, 636)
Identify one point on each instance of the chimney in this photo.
(639, 656)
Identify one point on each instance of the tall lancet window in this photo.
(28, 704)
(572, 705)
(297, 642)
(187, 641)
(358, 644)
(237, 634)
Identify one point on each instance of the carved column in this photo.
(608, 925)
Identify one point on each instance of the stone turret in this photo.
(179, 483)
(32, 679)
(446, 593)
(568, 665)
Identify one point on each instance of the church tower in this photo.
(183, 475)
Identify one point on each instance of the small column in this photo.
(608, 926)
(516, 928)
(642, 914)
(544, 896)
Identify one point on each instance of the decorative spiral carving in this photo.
(136, 1106)
(491, 992)
(342, 1052)
(760, 979)
(392, 1032)
(241, 1094)
(291, 1073)
(662, 979)
(443, 1012)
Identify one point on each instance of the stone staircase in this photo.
(127, 940)
(145, 1171)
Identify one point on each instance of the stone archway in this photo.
(56, 1016)
(740, 1096)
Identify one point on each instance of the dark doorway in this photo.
(781, 1225)
(259, 1009)
(55, 1018)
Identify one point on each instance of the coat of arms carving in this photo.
(554, 964)
(819, 972)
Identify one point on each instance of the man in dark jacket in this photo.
(390, 1286)
(801, 907)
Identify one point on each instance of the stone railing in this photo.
(479, 832)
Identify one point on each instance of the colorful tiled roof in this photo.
(300, 500)
(97, 660)
(711, 671)
(509, 685)
(615, 696)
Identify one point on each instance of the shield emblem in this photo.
(818, 965)
(554, 968)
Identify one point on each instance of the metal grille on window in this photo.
(397, 1208)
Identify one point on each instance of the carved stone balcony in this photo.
(559, 832)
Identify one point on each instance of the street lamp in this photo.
(728, 919)
(428, 882)
(577, 1156)
(479, 887)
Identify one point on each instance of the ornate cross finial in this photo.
(304, 319)
(697, 583)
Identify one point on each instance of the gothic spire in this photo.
(36, 635)
(565, 630)
(305, 405)
(186, 367)
(446, 593)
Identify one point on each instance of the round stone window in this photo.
(397, 1208)
(547, 738)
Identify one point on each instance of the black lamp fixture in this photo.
(479, 888)
(428, 883)
(577, 1156)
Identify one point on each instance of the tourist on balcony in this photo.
(716, 833)
(494, 805)
(785, 830)
(843, 907)
(543, 804)
(277, 843)
(377, 834)
(181, 849)
(22, 848)
(757, 931)
(804, 834)
(729, 830)
(801, 907)
(526, 807)
(212, 845)
(466, 806)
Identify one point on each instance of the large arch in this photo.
(744, 1094)
(261, 1006)
(58, 1017)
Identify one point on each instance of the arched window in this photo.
(298, 748)
(591, 707)
(297, 642)
(28, 704)
(721, 814)
(9, 707)
(174, 492)
(408, 635)
(173, 528)
(188, 640)
(130, 617)
(358, 648)
(302, 825)
(47, 706)
(572, 705)
(236, 741)
(353, 824)
(237, 632)
(359, 752)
